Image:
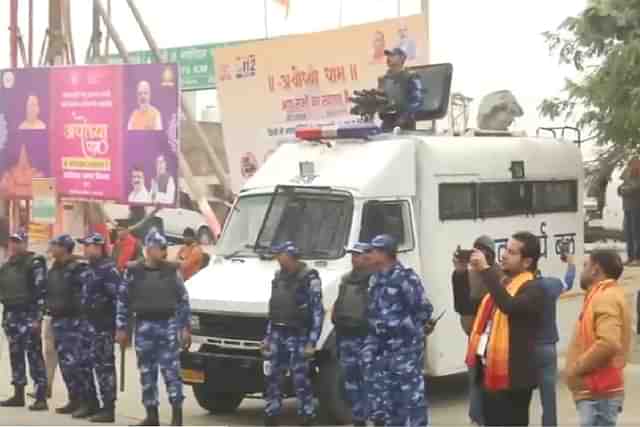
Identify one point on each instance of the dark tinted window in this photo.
(555, 196)
(504, 199)
(457, 201)
(393, 218)
(317, 222)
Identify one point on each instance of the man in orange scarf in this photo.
(598, 351)
(502, 340)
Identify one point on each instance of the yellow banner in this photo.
(86, 164)
(267, 88)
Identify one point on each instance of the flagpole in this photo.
(341, 11)
(266, 23)
(398, 8)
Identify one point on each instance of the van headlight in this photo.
(195, 323)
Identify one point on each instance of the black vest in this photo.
(63, 292)
(16, 287)
(284, 309)
(350, 311)
(154, 291)
(396, 87)
(102, 313)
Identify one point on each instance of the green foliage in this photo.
(603, 45)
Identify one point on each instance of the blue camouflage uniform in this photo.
(101, 294)
(394, 350)
(351, 326)
(157, 340)
(73, 334)
(17, 323)
(285, 344)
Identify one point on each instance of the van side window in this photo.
(555, 196)
(392, 218)
(504, 199)
(457, 201)
(509, 198)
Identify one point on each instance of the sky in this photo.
(493, 44)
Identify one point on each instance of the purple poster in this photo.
(24, 130)
(151, 135)
(103, 132)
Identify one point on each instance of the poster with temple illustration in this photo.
(24, 131)
(89, 127)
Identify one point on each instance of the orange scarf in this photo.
(608, 378)
(496, 373)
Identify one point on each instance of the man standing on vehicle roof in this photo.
(404, 91)
(350, 319)
(101, 305)
(398, 313)
(22, 289)
(295, 324)
(67, 281)
(156, 294)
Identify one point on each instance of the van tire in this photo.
(217, 402)
(334, 409)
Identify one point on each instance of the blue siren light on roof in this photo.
(354, 131)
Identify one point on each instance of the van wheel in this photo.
(334, 409)
(205, 237)
(217, 402)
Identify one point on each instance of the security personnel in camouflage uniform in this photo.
(101, 303)
(67, 283)
(404, 91)
(350, 319)
(398, 313)
(295, 323)
(22, 287)
(155, 293)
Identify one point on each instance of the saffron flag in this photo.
(285, 4)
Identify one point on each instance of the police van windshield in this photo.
(241, 232)
(316, 220)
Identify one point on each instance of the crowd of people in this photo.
(509, 313)
(86, 304)
(382, 316)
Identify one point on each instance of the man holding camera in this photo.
(505, 330)
(468, 291)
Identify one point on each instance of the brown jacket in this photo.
(612, 323)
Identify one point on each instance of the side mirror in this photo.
(436, 84)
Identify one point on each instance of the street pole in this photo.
(13, 32)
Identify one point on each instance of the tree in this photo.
(603, 45)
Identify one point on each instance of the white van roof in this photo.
(386, 166)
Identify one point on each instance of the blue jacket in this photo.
(553, 288)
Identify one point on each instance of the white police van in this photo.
(433, 193)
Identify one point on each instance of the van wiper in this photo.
(238, 251)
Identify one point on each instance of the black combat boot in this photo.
(152, 418)
(17, 401)
(271, 421)
(359, 424)
(176, 415)
(69, 408)
(308, 420)
(87, 409)
(39, 405)
(105, 415)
